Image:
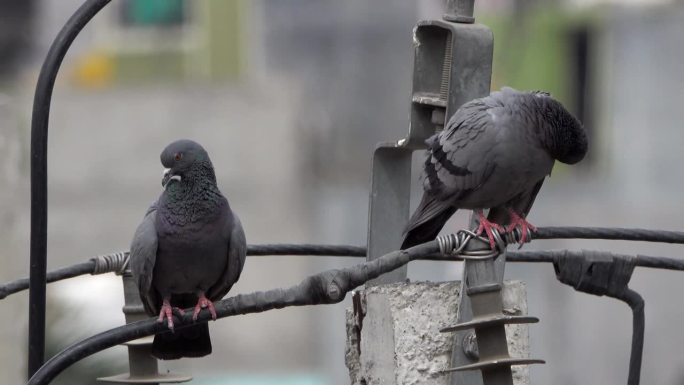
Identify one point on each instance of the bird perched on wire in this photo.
(494, 153)
(188, 251)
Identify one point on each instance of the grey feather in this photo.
(522, 204)
(142, 257)
(237, 253)
(494, 153)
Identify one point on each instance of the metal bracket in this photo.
(452, 65)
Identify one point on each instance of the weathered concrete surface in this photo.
(398, 341)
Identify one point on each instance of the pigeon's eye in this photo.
(178, 156)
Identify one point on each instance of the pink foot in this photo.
(525, 226)
(204, 302)
(167, 312)
(487, 227)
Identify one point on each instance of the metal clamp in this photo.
(480, 335)
(457, 244)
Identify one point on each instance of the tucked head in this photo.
(181, 158)
(566, 138)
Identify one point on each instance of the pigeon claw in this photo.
(518, 221)
(204, 302)
(487, 226)
(167, 312)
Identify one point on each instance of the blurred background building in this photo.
(289, 98)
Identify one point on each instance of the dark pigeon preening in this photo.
(188, 251)
(494, 153)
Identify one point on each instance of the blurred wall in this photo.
(289, 98)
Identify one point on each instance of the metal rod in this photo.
(39, 140)
(459, 11)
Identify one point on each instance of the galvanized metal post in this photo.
(481, 310)
(143, 367)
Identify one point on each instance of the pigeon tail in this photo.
(427, 221)
(192, 341)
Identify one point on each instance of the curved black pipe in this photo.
(39, 139)
(636, 303)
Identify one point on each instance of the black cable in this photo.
(39, 141)
(610, 233)
(327, 287)
(655, 262)
(53, 276)
(636, 303)
(330, 287)
(306, 249)
(83, 268)
(607, 274)
(660, 262)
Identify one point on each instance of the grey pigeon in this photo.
(494, 153)
(188, 251)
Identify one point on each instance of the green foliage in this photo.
(531, 51)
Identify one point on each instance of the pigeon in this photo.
(494, 153)
(188, 251)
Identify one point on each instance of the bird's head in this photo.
(182, 159)
(566, 138)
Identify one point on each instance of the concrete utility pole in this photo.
(393, 333)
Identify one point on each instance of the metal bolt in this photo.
(469, 345)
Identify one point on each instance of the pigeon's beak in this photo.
(168, 175)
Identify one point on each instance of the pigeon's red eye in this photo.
(178, 156)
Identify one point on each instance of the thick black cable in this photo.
(306, 249)
(53, 276)
(328, 287)
(607, 274)
(84, 268)
(609, 233)
(39, 141)
(655, 262)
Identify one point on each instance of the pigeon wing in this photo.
(143, 255)
(461, 158)
(522, 204)
(459, 161)
(237, 252)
